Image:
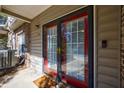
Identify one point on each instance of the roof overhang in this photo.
(17, 16)
(24, 12)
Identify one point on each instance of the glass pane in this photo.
(69, 49)
(54, 48)
(52, 59)
(55, 58)
(81, 61)
(69, 58)
(53, 40)
(75, 51)
(74, 46)
(68, 37)
(52, 31)
(74, 37)
(49, 32)
(49, 58)
(81, 49)
(3, 20)
(80, 25)
(68, 27)
(80, 36)
(74, 26)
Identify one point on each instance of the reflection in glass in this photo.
(68, 37)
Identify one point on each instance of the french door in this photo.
(70, 39)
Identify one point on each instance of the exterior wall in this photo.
(107, 28)
(36, 33)
(108, 59)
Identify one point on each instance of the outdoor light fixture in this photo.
(38, 26)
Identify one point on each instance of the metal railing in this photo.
(7, 59)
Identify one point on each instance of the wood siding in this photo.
(108, 64)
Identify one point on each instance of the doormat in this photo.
(45, 82)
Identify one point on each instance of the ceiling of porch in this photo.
(27, 11)
(23, 13)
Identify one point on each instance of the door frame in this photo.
(89, 10)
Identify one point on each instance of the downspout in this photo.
(95, 45)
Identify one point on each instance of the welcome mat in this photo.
(45, 82)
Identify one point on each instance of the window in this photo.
(51, 47)
(3, 20)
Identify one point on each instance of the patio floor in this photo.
(21, 79)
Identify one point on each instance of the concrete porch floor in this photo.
(22, 79)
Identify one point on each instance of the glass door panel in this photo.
(74, 32)
(51, 47)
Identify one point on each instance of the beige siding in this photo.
(108, 23)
